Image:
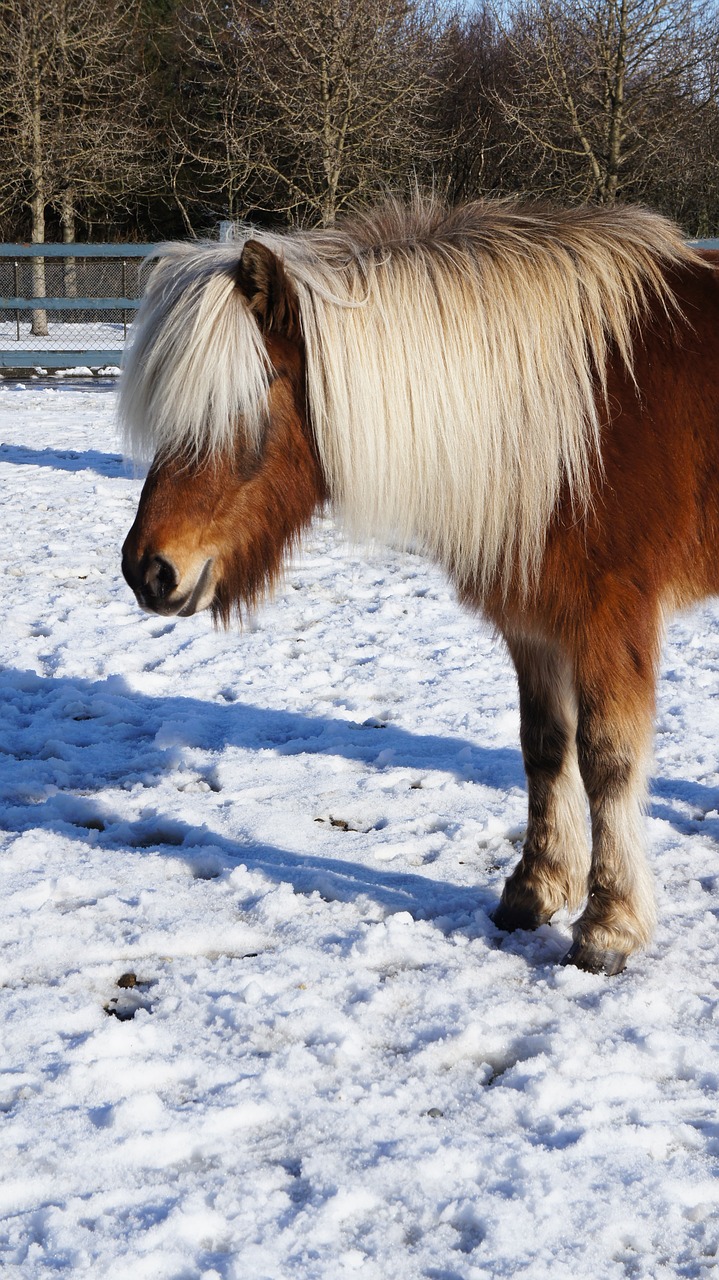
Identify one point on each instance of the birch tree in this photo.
(314, 103)
(70, 103)
(602, 87)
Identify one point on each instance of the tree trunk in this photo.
(616, 76)
(67, 219)
(37, 202)
(39, 318)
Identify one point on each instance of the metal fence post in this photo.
(124, 294)
(17, 295)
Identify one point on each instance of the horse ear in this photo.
(271, 295)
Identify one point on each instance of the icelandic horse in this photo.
(529, 395)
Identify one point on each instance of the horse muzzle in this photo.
(161, 587)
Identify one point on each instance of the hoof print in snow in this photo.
(342, 823)
(347, 824)
(335, 822)
(148, 836)
(125, 1006)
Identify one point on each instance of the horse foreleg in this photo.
(554, 865)
(616, 699)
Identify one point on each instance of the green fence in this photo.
(66, 306)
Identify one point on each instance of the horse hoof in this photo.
(593, 960)
(509, 919)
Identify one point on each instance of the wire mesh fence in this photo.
(72, 305)
(62, 304)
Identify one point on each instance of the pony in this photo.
(529, 395)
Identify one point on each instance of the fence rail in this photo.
(89, 294)
(67, 305)
(75, 250)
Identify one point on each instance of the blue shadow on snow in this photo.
(62, 739)
(105, 464)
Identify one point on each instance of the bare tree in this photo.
(686, 182)
(208, 162)
(308, 104)
(478, 153)
(602, 87)
(70, 126)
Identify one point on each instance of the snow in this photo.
(65, 335)
(255, 1020)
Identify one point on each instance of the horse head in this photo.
(214, 521)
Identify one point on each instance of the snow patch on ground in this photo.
(255, 1020)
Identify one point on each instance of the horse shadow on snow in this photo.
(111, 465)
(65, 741)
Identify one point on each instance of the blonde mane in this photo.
(454, 361)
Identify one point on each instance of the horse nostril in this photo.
(160, 578)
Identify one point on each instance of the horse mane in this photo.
(456, 363)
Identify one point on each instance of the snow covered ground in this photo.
(255, 1021)
(98, 335)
